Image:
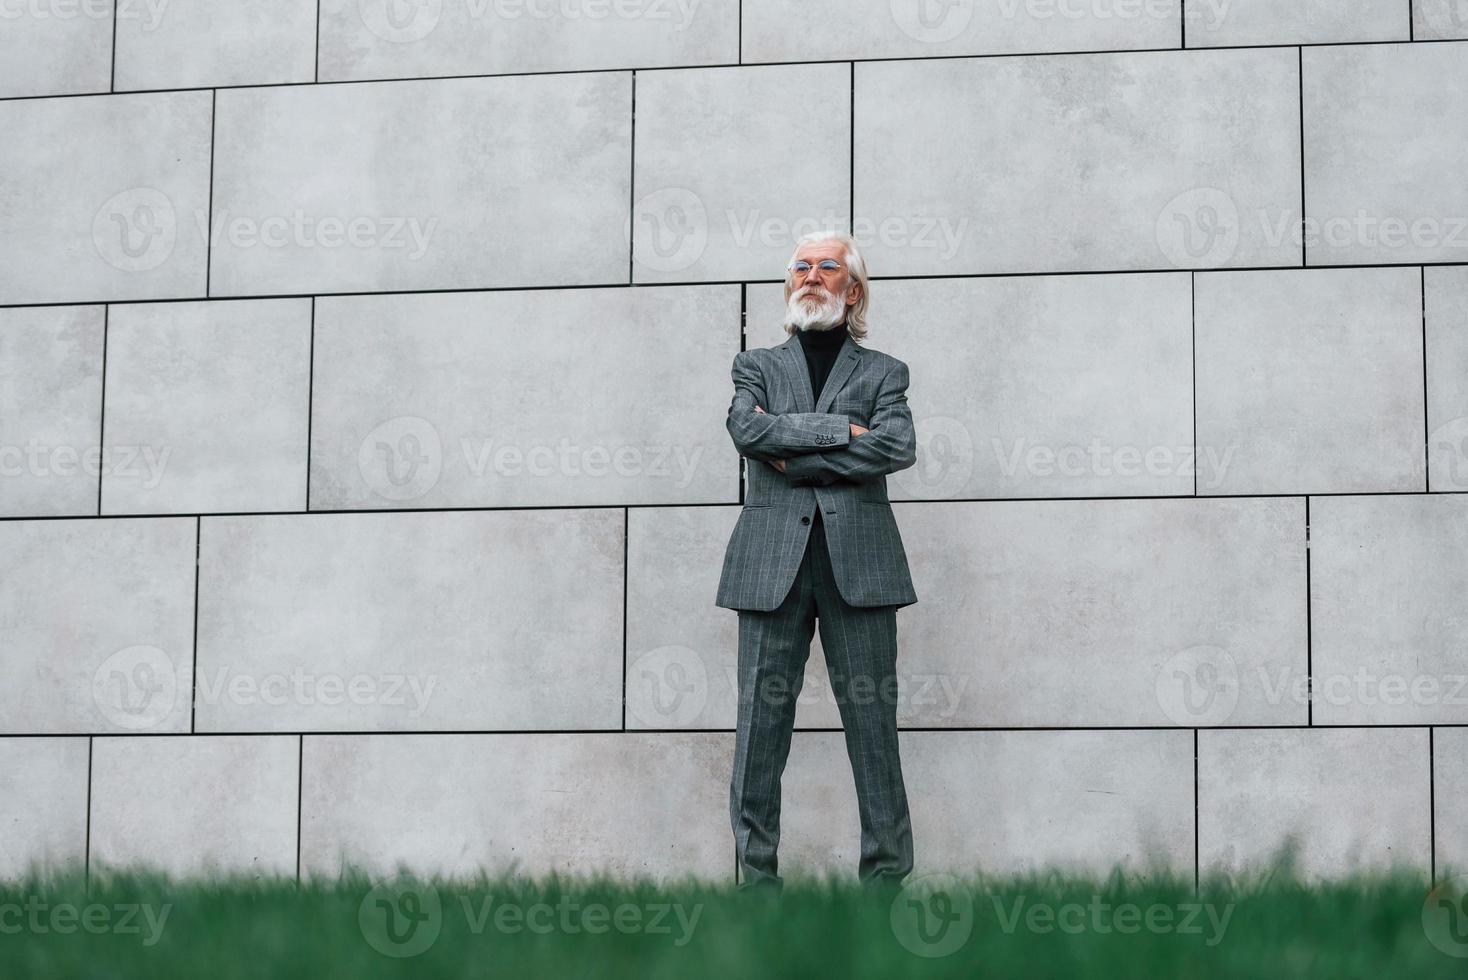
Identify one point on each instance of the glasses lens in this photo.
(827, 265)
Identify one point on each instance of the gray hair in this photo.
(856, 271)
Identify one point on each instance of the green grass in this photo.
(1268, 926)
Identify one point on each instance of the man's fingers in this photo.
(760, 410)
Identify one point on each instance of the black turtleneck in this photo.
(821, 348)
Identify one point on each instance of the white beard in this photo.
(828, 310)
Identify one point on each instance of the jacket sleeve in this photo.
(762, 436)
(888, 446)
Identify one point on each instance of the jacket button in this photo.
(805, 520)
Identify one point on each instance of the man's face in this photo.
(819, 297)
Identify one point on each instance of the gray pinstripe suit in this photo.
(788, 568)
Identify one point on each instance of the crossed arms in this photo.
(818, 447)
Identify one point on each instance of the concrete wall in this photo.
(384, 523)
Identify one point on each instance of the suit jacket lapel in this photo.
(799, 373)
(846, 359)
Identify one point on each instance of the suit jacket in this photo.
(826, 467)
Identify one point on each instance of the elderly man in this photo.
(822, 420)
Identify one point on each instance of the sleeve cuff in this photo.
(839, 436)
(801, 470)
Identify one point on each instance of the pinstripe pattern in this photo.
(825, 468)
(861, 658)
(818, 543)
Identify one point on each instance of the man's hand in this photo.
(779, 464)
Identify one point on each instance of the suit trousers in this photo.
(861, 657)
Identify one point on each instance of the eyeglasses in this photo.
(800, 267)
